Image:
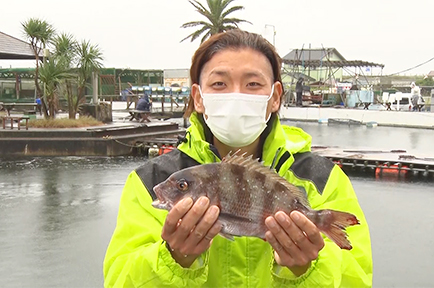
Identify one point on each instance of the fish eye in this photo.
(182, 184)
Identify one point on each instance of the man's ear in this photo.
(197, 98)
(278, 90)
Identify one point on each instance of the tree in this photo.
(65, 52)
(89, 61)
(427, 81)
(39, 33)
(52, 73)
(217, 15)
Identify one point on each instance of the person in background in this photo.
(415, 97)
(127, 92)
(38, 105)
(144, 105)
(420, 102)
(235, 97)
(354, 84)
(299, 92)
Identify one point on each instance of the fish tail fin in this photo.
(333, 224)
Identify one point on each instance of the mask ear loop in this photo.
(201, 95)
(272, 92)
(200, 91)
(268, 99)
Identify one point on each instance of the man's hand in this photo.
(190, 228)
(295, 239)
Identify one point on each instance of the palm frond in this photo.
(199, 7)
(206, 36)
(196, 34)
(38, 31)
(216, 13)
(234, 21)
(64, 49)
(89, 60)
(52, 73)
(225, 3)
(193, 24)
(231, 10)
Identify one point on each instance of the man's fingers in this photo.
(207, 221)
(309, 235)
(280, 225)
(176, 213)
(201, 236)
(294, 232)
(206, 241)
(188, 224)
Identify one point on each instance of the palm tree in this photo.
(217, 17)
(39, 33)
(52, 73)
(65, 52)
(89, 61)
(64, 49)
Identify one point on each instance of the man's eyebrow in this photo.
(219, 72)
(245, 75)
(254, 74)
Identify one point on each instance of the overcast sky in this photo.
(146, 34)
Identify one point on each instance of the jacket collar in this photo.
(276, 140)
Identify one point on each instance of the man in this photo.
(299, 91)
(235, 97)
(144, 105)
(415, 95)
(39, 105)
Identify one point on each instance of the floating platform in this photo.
(107, 140)
(344, 121)
(380, 163)
(342, 115)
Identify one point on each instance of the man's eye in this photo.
(253, 84)
(218, 84)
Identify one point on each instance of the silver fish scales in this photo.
(247, 192)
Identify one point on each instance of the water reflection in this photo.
(360, 136)
(56, 219)
(50, 180)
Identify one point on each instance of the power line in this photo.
(412, 67)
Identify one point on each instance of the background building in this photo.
(177, 77)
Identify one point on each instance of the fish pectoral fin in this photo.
(227, 236)
(225, 224)
(233, 225)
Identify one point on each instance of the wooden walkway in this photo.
(393, 162)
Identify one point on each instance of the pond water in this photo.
(57, 214)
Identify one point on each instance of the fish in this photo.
(247, 192)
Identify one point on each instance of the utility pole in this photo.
(95, 88)
(274, 33)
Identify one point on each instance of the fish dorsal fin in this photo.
(249, 163)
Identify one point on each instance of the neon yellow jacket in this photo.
(138, 257)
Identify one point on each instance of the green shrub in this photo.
(65, 123)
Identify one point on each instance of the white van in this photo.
(404, 101)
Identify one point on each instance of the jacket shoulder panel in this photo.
(312, 167)
(158, 169)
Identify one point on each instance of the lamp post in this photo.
(274, 32)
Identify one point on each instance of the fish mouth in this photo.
(159, 203)
(162, 205)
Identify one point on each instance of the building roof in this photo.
(176, 73)
(313, 54)
(431, 73)
(12, 48)
(314, 58)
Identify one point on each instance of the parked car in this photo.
(404, 101)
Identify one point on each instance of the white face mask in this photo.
(236, 119)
